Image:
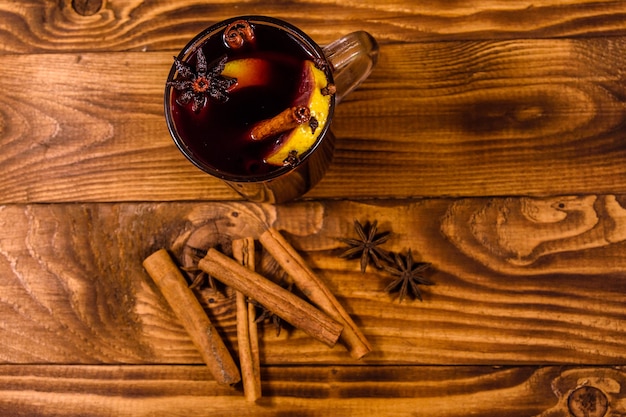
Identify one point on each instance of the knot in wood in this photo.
(587, 402)
(87, 7)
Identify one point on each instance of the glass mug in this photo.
(250, 100)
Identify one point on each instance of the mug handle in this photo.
(352, 58)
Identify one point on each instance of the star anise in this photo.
(197, 85)
(409, 276)
(198, 277)
(268, 315)
(367, 245)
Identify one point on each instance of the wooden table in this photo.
(489, 140)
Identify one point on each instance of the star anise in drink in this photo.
(367, 245)
(409, 276)
(199, 83)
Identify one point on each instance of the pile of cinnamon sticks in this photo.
(320, 316)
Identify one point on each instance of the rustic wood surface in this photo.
(488, 141)
(307, 391)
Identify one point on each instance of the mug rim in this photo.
(304, 40)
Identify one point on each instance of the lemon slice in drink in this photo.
(300, 139)
(254, 71)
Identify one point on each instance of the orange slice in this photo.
(303, 137)
(248, 72)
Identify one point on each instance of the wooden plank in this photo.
(533, 117)
(517, 280)
(311, 391)
(35, 26)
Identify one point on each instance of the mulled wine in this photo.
(250, 100)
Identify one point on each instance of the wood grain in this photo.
(556, 297)
(519, 117)
(36, 26)
(488, 140)
(305, 391)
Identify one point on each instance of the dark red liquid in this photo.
(219, 134)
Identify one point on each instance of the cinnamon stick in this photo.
(315, 290)
(281, 302)
(286, 120)
(247, 335)
(187, 308)
(238, 33)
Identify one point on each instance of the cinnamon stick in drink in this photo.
(247, 334)
(169, 279)
(272, 296)
(315, 290)
(286, 120)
